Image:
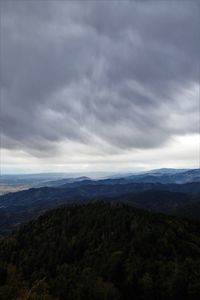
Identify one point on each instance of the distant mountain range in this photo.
(161, 190)
(164, 175)
(62, 182)
(167, 176)
(154, 176)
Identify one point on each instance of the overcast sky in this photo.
(99, 85)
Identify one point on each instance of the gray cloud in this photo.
(123, 72)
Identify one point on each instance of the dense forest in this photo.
(101, 251)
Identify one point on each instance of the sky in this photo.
(99, 85)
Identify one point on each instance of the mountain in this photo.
(167, 171)
(62, 182)
(101, 252)
(42, 195)
(20, 207)
(157, 201)
(12, 183)
(167, 176)
(164, 176)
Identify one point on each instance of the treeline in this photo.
(101, 252)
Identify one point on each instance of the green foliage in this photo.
(101, 252)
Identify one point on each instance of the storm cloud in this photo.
(115, 75)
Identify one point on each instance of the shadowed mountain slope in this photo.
(20, 207)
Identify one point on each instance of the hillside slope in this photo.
(189, 210)
(101, 252)
(20, 207)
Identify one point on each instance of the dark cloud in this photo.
(124, 72)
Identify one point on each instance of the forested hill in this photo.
(20, 207)
(101, 252)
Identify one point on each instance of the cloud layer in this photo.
(110, 76)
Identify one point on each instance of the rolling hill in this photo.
(20, 207)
